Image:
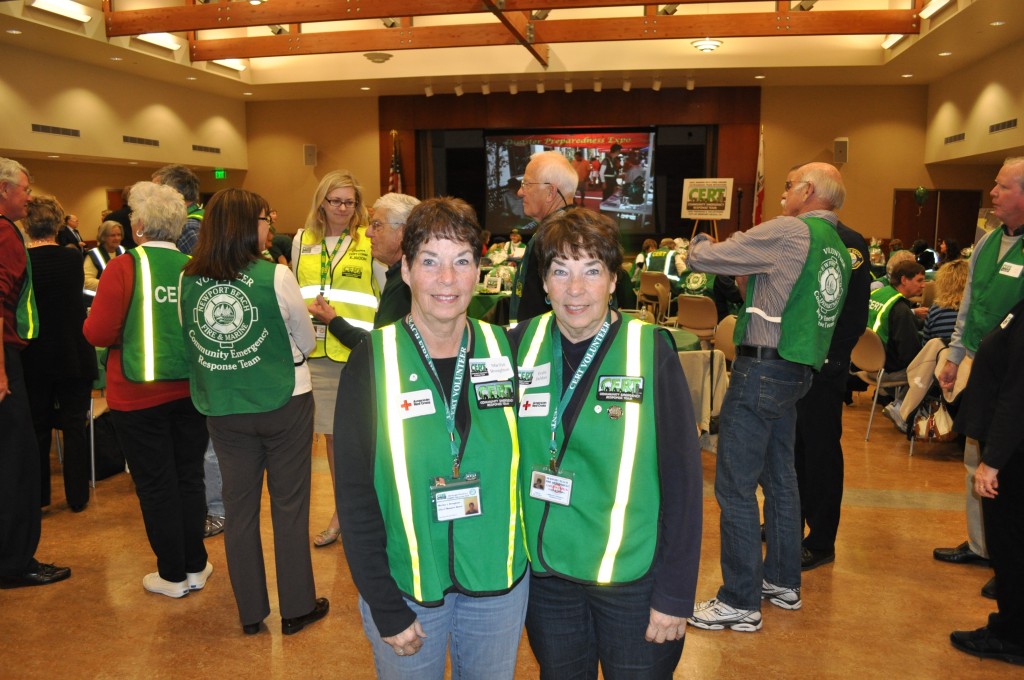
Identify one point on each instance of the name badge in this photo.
(1012, 270)
(494, 395)
(456, 498)
(548, 486)
(413, 404)
(491, 369)
(320, 330)
(620, 388)
(310, 250)
(538, 376)
(534, 405)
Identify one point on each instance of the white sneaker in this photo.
(197, 580)
(892, 412)
(787, 598)
(155, 584)
(717, 615)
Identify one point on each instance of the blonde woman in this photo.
(332, 260)
(950, 282)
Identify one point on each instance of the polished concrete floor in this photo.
(884, 609)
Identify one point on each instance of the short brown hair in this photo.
(229, 239)
(576, 233)
(45, 217)
(441, 218)
(904, 270)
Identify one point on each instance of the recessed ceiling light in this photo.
(191, 78)
(116, 59)
(759, 77)
(945, 54)
(997, 23)
(52, 156)
(13, 31)
(364, 88)
(133, 162)
(247, 94)
(907, 75)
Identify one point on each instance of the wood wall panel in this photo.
(736, 112)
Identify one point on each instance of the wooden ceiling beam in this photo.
(521, 26)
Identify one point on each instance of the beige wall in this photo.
(345, 134)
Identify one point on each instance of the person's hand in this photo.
(322, 311)
(921, 312)
(409, 641)
(986, 483)
(947, 377)
(663, 628)
(4, 388)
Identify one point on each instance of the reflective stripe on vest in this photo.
(149, 370)
(513, 492)
(393, 390)
(535, 345)
(883, 313)
(625, 478)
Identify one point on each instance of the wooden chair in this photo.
(656, 294)
(723, 337)
(698, 315)
(928, 294)
(869, 358)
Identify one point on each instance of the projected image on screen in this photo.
(615, 170)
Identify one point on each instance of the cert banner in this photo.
(707, 199)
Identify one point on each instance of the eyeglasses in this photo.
(264, 218)
(527, 184)
(338, 203)
(27, 189)
(790, 185)
(376, 224)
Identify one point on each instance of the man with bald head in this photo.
(548, 184)
(799, 273)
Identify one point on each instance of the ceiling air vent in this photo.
(140, 140)
(207, 149)
(955, 138)
(1005, 125)
(54, 130)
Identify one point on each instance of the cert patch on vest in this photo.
(224, 314)
(456, 498)
(494, 395)
(534, 405)
(830, 288)
(352, 271)
(695, 283)
(413, 404)
(538, 376)
(856, 258)
(620, 388)
(490, 369)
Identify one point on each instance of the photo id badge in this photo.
(456, 498)
(320, 330)
(548, 486)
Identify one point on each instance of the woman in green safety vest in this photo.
(610, 470)
(331, 258)
(427, 490)
(247, 334)
(163, 436)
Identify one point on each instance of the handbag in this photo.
(933, 423)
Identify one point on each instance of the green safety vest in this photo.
(879, 305)
(351, 289)
(697, 284)
(814, 303)
(26, 313)
(609, 532)
(663, 260)
(993, 292)
(240, 358)
(151, 347)
(483, 554)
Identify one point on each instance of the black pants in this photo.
(610, 185)
(20, 514)
(72, 395)
(164, 447)
(1004, 535)
(819, 454)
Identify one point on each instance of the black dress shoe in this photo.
(42, 575)
(962, 554)
(251, 628)
(989, 589)
(809, 559)
(292, 626)
(983, 644)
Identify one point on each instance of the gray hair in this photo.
(896, 258)
(105, 228)
(555, 169)
(158, 209)
(180, 178)
(827, 181)
(398, 206)
(10, 171)
(1017, 160)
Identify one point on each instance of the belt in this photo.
(757, 352)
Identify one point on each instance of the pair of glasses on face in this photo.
(347, 203)
(377, 224)
(527, 184)
(264, 218)
(790, 185)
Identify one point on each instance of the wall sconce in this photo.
(485, 88)
(429, 91)
(690, 84)
(627, 85)
(597, 86)
(656, 85)
(458, 90)
(568, 87)
(540, 88)
(513, 88)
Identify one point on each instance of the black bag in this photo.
(109, 458)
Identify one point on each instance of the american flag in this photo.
(759, 183)
(395, 172)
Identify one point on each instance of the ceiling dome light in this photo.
(707, 44)
(377, 57)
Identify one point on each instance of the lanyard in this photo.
(581, 370)
(325, 261)
(453, 401)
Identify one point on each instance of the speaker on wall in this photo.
(841, 149)
(309, 154)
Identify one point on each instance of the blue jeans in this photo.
(483, 633)
(755, 446)
(572, 626)
(214, 483)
